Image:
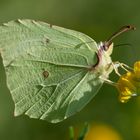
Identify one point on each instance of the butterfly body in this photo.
(105, 65)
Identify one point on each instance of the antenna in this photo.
(120, 31)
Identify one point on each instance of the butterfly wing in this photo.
(47, 69)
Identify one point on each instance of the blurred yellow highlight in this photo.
(102, 132)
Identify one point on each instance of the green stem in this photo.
(71, 133)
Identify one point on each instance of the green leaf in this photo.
(84, 132)
(48, 69)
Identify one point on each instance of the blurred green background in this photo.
(98, 19)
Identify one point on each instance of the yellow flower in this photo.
(137, 69)
(129, 84)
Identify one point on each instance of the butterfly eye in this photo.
(105, 48)
(106, 45)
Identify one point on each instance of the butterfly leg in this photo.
(116, 66)
(125, 67)
(107, 81)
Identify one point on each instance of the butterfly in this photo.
(53, 72)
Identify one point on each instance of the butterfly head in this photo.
(106, 48)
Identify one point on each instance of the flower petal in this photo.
(137, 69)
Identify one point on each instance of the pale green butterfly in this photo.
(52, 72)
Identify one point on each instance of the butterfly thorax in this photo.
(104, 66)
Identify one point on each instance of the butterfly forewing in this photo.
(48, 69)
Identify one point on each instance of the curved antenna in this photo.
(120, 31)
